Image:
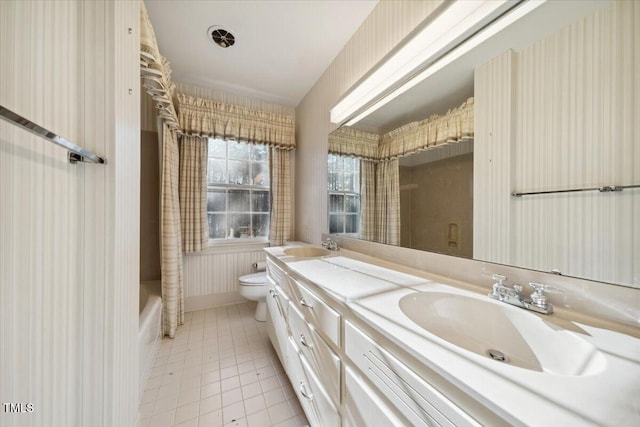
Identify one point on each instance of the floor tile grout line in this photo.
(241, 338)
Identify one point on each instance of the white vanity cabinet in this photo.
(340, 375)
(295, 316)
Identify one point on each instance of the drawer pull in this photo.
(303, 341)
(273, 293)
(305, 304)
(303, 392)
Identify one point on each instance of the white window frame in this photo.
(344, 193)
(229, 186)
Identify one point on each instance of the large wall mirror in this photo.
(555, 102)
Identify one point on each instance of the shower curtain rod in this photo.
(605, 189)
(76, 153)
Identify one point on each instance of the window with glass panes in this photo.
(344, 194)
(237, 190)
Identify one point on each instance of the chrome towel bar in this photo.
(604, 189)
(76, 153)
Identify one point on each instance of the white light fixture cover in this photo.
(457, 22)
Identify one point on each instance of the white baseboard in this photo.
(204, 302)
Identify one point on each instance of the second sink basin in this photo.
(503, 333)
(307, 252)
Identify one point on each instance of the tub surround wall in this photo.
(148, 112)
(149, 206)
(433, 196)
(69, 250)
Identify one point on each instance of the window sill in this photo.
(231, 246)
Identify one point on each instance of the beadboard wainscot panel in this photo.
(211, 277)
(388, 23)
(577, 103)
(69, 233)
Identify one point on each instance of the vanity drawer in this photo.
(278, 276)
(323, 318)
(317, 406)
(416, 399)
(363, 407)
(325, 363)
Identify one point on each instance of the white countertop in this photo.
(521, 396)
(347, 279)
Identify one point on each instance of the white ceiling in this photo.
(281, 49)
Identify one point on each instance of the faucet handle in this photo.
(496, 288)
(330, 244)
(538, 297)
(499, 278)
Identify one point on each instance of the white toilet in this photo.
(254, 287)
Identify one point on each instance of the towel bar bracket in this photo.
(75, 158)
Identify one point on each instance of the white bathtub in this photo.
(150, 328)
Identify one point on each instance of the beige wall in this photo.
(435, 195)
(561, 114)
(69, 271)
(385, 27)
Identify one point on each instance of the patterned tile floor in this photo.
(219, 370)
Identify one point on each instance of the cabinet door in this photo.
(277, 305)
(414, 398)
(315, 402)
(363, 407)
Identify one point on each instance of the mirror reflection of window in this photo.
(344, 194)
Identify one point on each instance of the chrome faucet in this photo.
(537, 301)
(330, 244)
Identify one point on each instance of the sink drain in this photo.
(497, 355)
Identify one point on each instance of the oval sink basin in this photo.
(502, 333)
(307, 252)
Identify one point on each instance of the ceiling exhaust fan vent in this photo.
(221, 37)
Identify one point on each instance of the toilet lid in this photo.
(254, 279)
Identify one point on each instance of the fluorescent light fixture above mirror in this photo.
(450, 26)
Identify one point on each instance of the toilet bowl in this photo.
(254, 287)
